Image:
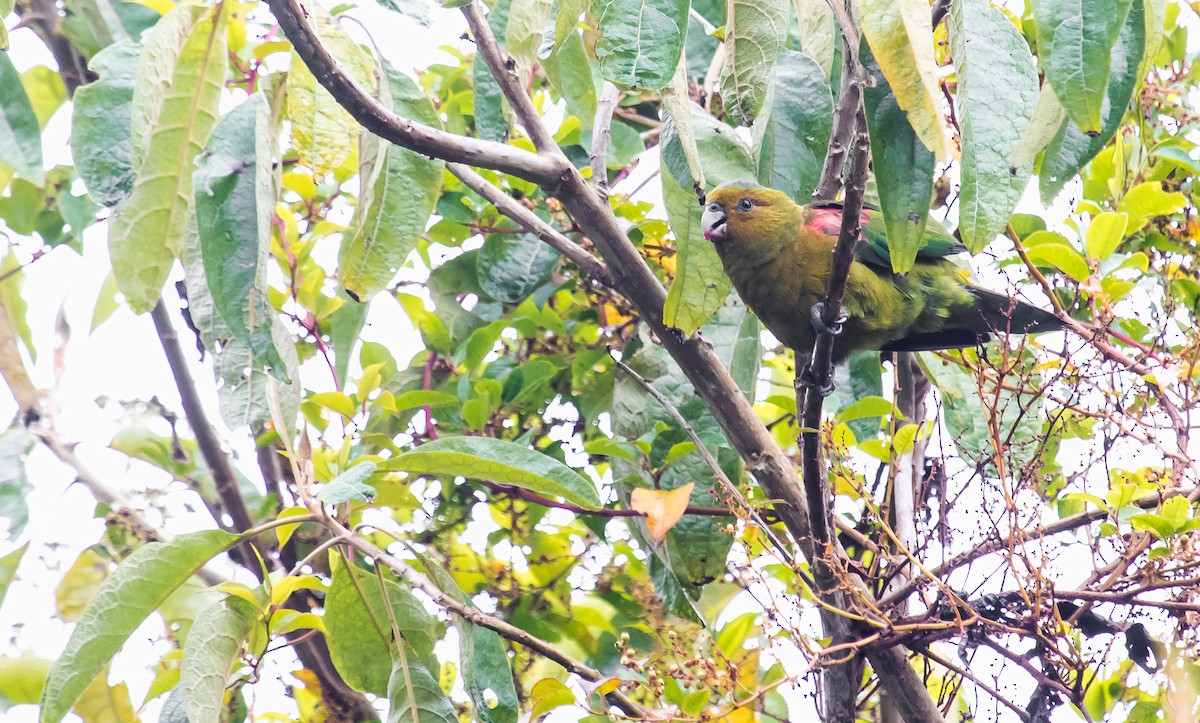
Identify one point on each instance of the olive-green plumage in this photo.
(779, 255)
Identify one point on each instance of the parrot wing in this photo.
(873, 248)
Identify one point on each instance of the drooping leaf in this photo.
(491, 108)
(1072, 149)
(209, 655)
(700, 285)
(180, 77)
(400, 191)
(323, 133)
(15, 444)
(1104, 234)
(755, 33)
(135, 589)
(360, 630)
(510, 266)
(20, 132)
(792, 134)
(903, 170)
(819, 36)
(1075, 41)
(901, 39)
(235, 199)
(640, 40)
(414, 694)
(500, 461)
(101, 133)
(45, 90)
(997, 93)
(1047, 118)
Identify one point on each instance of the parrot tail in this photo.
(1004, 314)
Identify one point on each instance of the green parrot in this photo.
(779, 255)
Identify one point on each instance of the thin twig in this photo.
(601, 132)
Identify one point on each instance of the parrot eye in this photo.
(745, 204)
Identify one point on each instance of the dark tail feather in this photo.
(1002, 314)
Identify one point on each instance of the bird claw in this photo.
(817, 311)
(805, 379)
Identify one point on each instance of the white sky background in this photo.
(123, 361)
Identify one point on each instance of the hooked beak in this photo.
(714, 223)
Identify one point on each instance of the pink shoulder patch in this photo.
(829, 220)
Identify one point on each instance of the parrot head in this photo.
(742, 212)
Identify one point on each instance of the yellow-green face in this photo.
(742, 212)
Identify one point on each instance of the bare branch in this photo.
(507, 205)
(601, 132)
(502, 67)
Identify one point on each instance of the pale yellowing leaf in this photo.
(661, 508)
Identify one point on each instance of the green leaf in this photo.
(700, 286)
(640, 41)
(1044, 124)
(20, 132)
(819, 37)
(491, 109)
(1156, 524)
(235, 195)
(210, 653)
(350, 485)
(499, 461)
(485, 667)
(548, 694)
(15, 444)
(414, 694)
(180, 77)
(400, 191)
(45, 90)
(997, 95)
(1104, 234)
(323, 133)
(900, 37)
(791, 136)
(101, 134)
(677, 108)
(424, 398)
(1046, 248)
(511, 266)
(21, 680)
(1147, 200)
(755, 33)
(903, 169)
(575, 77)
(1071, 149)
(360, 630)
(864, 408)
(135, 589)
(1075, 39)
(1176, 511)
(8, 570)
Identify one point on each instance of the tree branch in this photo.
(403, 131)
(601, 132)
(529, 220)
(502, 67)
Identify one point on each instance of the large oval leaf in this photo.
(235, 194)
(497, 460)
(792, 134)
(400, 191)
(135, 589)
(1075, 40)
(903, 169)
(755, 32)
(700, 286)
(180, 77)
(641, 41)
(20, 132)
(1072, 149)
(997, 93)
(900, 37)
(101, 136)
(209, 653)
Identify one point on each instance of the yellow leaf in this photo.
(662, 509)
(548, 694)
(79, 585)
(900, 37)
